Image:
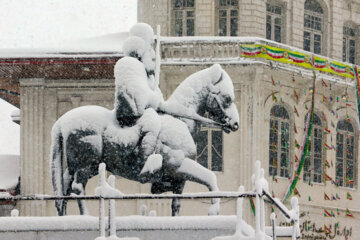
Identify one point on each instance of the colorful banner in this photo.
(297, 58)
(306, 142)
(357, 90)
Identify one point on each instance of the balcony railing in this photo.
(228, 49)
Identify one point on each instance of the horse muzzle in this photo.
(234, 127)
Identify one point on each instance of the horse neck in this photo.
(191, 95)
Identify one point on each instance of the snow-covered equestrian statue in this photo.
(133, 140)
(89, 135)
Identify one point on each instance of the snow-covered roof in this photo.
(101, 46)
(9, 131)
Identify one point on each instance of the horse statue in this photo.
(86, 136)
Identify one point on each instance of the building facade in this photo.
(266, 47)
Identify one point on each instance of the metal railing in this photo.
(259, 194)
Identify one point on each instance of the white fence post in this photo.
(295, 209)
(102, 167)
(112, 210)
(273, 224)
(239, 211)
(157, 57)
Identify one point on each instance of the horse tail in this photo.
(56, 157)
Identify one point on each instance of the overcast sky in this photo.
(47, 23)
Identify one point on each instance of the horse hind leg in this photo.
(78, 187)
(68, 178)
(193, 171)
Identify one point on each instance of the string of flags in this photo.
(330, 213)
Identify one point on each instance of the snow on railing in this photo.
(212, 47)
(107, 191)
(250, 50)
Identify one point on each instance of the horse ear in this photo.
(215, 73)
(219, 80)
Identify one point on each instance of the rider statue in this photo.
(137, 95)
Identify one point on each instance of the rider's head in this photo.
(143, 31)
(135, 47)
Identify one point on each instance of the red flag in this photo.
(296, 111)
(327, 147)
(327, 177)
(273, 82)
(326, 213)
(348, 196)
(326, 197)
(348, 213)
(296, 95)
(326, 229)
(323, 83)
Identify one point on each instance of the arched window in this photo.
(349, 44)
(274, 21)
(313, 26)
(313, 166)
(184, 17)
(228, 13)
(345, 154)
(279, 140)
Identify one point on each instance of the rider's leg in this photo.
(150, 124)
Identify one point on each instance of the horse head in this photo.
(220, 99)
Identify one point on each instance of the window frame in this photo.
(278, 151)
(314, 32)
(273, 16)
(209, 147)
(184, 18)
(228, 8)
(347, 37)
(343, 179)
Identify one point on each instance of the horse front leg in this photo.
(193, 171)
(175, 205)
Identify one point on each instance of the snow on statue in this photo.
(133, 140)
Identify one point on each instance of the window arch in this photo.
(349, 43)
(313, 26)
(313, 166)
(228, 17)
(345, 154)
(184, 17)
(275, 21)
(279, 142)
